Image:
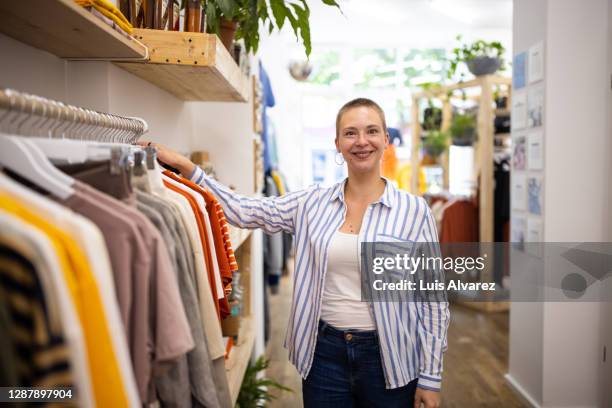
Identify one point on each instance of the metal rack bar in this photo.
(30, 115)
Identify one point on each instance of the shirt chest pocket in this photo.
(392, 245)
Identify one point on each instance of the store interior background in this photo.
(549, 354)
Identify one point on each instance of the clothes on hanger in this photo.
(269, 101)
(390, 163)
(456, 218)
(404, 179)
(126, 281)
(273, 245)
(501, 173)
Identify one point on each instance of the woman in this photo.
(349, 352)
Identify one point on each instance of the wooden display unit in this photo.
(191, 66)
(236, 364)
(66, 30)
(240, 353)
(484, 145)
(483, 155)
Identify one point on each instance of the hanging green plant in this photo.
(250, 15)
(435, 143)
(463, 129)
(481, 57)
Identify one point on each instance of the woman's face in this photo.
(361, 139)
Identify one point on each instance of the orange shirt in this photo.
(227, 262)
(222, 305)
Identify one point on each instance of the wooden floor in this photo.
(474, 365)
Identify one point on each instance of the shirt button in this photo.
(348, 337)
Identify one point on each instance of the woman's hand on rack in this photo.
(171, 158)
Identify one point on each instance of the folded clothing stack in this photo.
(109, 11)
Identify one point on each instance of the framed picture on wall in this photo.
(519, 71)
(534, 230)
(519, 110)
(535, 193)
(535, 151)
(536, 62)
(519, 191)
(535, 107)
(518, 229)
(519, 153)
(535, 236)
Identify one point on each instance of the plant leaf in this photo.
(227, 7)
(212, 19)
(279, 11)
(303, 15)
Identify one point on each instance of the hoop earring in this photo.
(336, 159)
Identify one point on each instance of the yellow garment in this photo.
(390, 163)
(404, 179)
(278, 182)
(108, 10)
(104, 370)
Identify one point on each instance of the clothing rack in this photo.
(31, 115)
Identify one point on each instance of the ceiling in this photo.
(413, 23)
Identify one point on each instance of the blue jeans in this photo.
(347, 372)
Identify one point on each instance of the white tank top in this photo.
(342, 306)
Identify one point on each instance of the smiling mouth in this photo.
(363, 155)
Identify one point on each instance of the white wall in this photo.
(526, 318)
(605, 373)
(225, 130)
(576, 194)
(29, 70)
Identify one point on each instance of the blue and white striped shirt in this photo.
(412, 334)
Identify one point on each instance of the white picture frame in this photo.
(519, 111)
(535, 107)
(535, 151)
(519, 191)
(535, 62)
(519, 152)
(535, 194)
(518, 229)
(535, 232)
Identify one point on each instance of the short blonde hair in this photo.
(357, 103)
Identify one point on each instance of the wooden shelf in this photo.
(65, 29)
(442, 90)
(239, 357)
(238, 236)
(191, 66)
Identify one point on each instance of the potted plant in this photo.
(435, 143)
(481, 57)
(254, 391)
(432, 115)
(241, 19)
(463, 129)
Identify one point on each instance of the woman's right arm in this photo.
(272, 214)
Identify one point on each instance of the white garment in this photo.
(212, 327)
(342, 306)
(91, 241)
(209, 234)
(29, 236)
